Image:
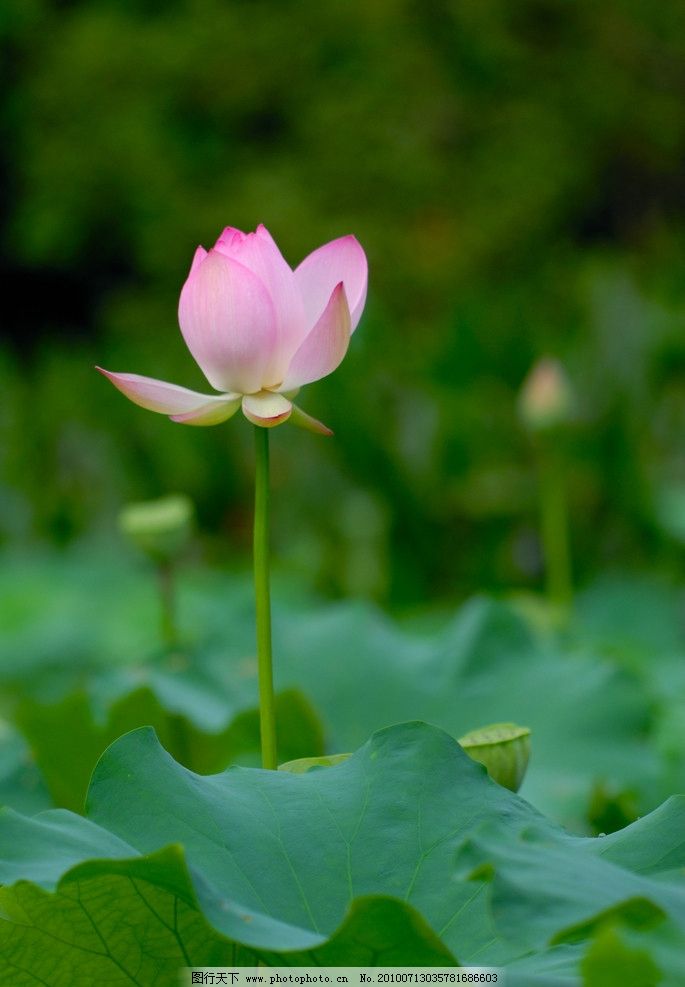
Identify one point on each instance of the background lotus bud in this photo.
(546, 400)
(159, 528)
(259, 330)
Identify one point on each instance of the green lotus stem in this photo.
(555, 527)
(167, 597)
(267, 716)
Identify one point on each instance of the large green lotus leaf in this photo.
(279, 861)
(362, 863)
(654, 844)
(66, 738)
(554, 888)
(386, 821)
(122, 929)
(136, 922)
(547, 891)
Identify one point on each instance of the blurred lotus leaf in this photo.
(670, 511)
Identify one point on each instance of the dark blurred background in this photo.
(516, 173)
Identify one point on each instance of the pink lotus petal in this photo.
(266, 409)
(229, 323)
(325, 346)
(211, 414)
(198, 257)
(340, 260)
(303, 420)
(170, 399)
(259, 253)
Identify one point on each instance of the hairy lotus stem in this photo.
(263, 599)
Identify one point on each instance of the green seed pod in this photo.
(504, 749)
(159, 528)
(304, 764)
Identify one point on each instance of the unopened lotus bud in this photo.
(159, 528)
(546, 398)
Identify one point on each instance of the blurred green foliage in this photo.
(83, 659)
(515, 173)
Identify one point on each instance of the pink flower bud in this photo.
(546, 398)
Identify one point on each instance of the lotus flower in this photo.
(259, 330)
